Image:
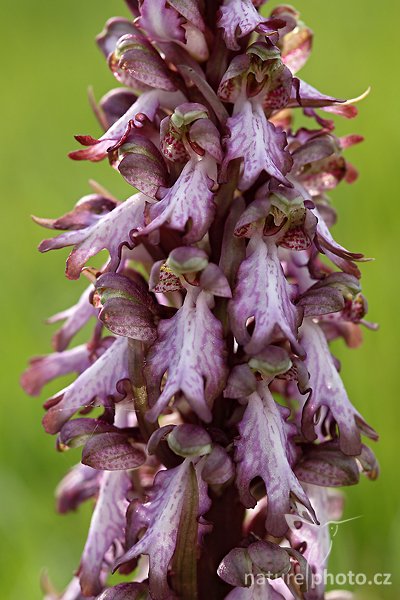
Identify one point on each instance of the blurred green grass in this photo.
(49, 59)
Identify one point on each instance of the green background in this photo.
(48, 60)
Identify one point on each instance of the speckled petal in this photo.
(262, 292)
(238, 18)
(259, 143)
(112, 231)
(163, 513)
(106, 526)
(191, 199)
(262, 451)
(328, 390)
(191, 349)
(99, 381)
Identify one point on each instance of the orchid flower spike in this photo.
(221, 420)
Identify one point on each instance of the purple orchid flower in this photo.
(209, 363)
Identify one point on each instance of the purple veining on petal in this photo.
(259, 143)
(113, 451)
(190, 10)
(99, 381)
(238, 18)
(127, 307)
(263, 293)
(261, 451)
(190, 348)
(328, 390)
(106, 526)
(146, 104)
(112, 231)
(190, 199)
(163, 513)
(315, 540)
(137, 58)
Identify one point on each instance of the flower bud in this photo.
(187, 259)
(189, 441)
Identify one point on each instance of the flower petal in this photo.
(296, 47)
(328, 390)
(214, 281)
(80, 484)
(325, 465)
(230, 85)
(113, 231)
(218, 467)
(331, 295)
(87, 211)
(113, 105)
(146, 104)
(189, 441)
(241, 382)
(162, 279)
(238, 18)
(305, 95)
(262, 292)
(204, 134)
(75, 318)
(107, 526)
(262, 451)
(190, 347)
(190, 10)
(315, 539)
(126, 591)
(187, 259)
(163, 514)
(161, 23)
(141, 163)
(136, 56)
(43, 369)
(98, 381)
(77, 432)
(114, 29)
(189, 204)
(234, 567)
(259, 143)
